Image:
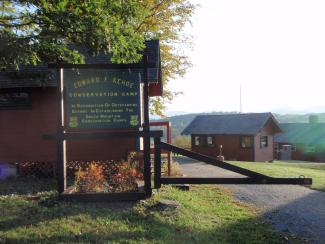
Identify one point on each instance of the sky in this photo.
(273, 49)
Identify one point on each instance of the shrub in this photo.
(107, 176)
(126, 178)
(175, 169)
(182, 141)
(91, 179)
(135, 160)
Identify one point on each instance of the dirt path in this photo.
(294, 209)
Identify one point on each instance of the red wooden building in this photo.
(244, 137)
(28, 111)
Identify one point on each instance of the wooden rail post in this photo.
(61, 142)
(157, 166)
(169, 140)
(146, 130)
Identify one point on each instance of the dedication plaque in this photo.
(102, 98)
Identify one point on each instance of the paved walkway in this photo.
(294, 209)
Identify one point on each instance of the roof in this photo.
(41, 76)
(306, 133)
(230, 124)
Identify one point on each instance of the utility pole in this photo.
(240, 100)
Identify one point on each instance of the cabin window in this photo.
(263, 141)
(15, 98)
(310, 148)
(203, 141)
(246, 141)
(210, 141)
(196, 140)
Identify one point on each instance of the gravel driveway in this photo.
(290, 208)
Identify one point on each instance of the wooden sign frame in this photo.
(62, 135)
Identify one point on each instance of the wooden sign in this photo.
(102, 98)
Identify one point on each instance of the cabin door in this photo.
(286, 152)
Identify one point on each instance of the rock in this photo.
(183, 187)
(164, 204)
(49, 202)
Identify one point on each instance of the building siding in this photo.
(21, 133)
(266, 153)
(231, 149)
(300, 152)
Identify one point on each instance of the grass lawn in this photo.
(290, 169)
(207, 215)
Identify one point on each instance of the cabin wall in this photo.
(299, 153)
(231, 148)
(265, 154)
(21, 132)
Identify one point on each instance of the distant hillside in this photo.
(179, 122)
(298, 118)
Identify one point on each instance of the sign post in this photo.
(61, 142)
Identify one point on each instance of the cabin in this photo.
(28, 111)
(301, 141)
(243, 137)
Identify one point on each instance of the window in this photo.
(293, 147)
(310, 148)
(210, 141)
(246, 141)
(196, 140)
(263, 141)
(15, 98)
(203, 141)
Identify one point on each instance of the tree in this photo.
(36, 31)
(182, 141)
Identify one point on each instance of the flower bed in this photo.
(92, 176)
(114, 177)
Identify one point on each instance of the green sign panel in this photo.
(102, 98)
